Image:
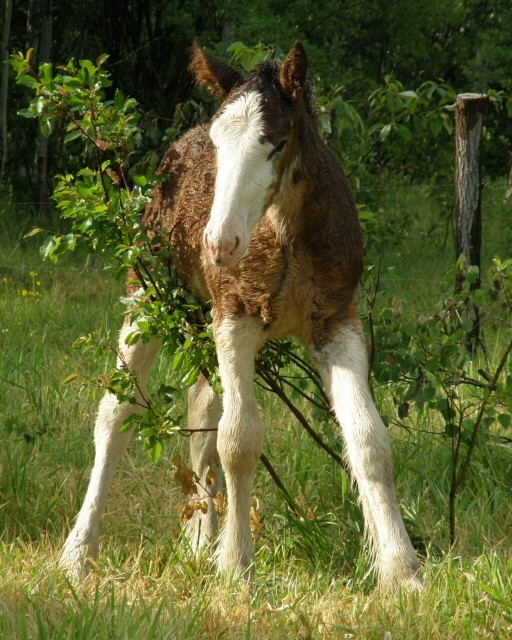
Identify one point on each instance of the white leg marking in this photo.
(204, 412)
(343, 365)
(82, 543)
(240, 438)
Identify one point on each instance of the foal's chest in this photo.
(289, 290)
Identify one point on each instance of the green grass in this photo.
(421, 219)
(311, 574)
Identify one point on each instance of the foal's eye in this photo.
(277, 149)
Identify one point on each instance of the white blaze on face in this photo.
(244, 176)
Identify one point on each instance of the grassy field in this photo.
(312, 575)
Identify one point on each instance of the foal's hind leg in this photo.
(240, 437)
(204, 412)
(343, 365)
(82, 543)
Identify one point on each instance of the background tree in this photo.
(5, 83)
(355, 48)
(39, 37)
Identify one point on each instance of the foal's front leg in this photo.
(204, 412)
(343, 365)
(240, 437)
(82, 543)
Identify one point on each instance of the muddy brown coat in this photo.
(299, 275)
(301, 271)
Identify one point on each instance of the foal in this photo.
(264, 226)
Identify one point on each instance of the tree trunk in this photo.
(469, 110)
(5, 84)
(40, 14)
(228, 25)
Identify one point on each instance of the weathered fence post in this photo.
(469, 110)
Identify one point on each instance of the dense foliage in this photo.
(377, 65)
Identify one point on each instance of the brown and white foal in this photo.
(265, 226)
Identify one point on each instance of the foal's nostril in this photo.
(237, 244)
(221, 255)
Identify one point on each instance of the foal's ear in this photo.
(216, 74)
(292, 75)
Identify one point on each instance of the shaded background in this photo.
(354, 47)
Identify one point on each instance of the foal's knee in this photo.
(240, 444)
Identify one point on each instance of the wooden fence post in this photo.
(469, 110)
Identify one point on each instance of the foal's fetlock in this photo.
(236, 564)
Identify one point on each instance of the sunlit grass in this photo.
(174, 598)
(311, 572)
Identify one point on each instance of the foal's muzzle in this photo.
(223, 254)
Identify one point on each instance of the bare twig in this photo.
(478, 422)
(277, 389)
(277, 480)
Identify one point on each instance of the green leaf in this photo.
(34, 232)
(385, 131)
(155, 451)
(140, 180)
(132, 338)
(119, 100)
(504, 419)
(408, 94)
(48, 246)
(72, 135)
(88, 66)
(473, 273)
(46, 72)
(101, 59)
(435, 125)
(86, 172)
(405, 133)
(27, 80)
(29, 112)
(46, 125)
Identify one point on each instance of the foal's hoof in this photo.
(236, 567)
(75, 571)
(76, 561)
(411, 581)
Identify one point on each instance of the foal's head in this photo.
(252, 133)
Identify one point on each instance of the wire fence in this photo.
(397, 189)
(432, 187)
(498, 185)
(45, 267)
(87, 269)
